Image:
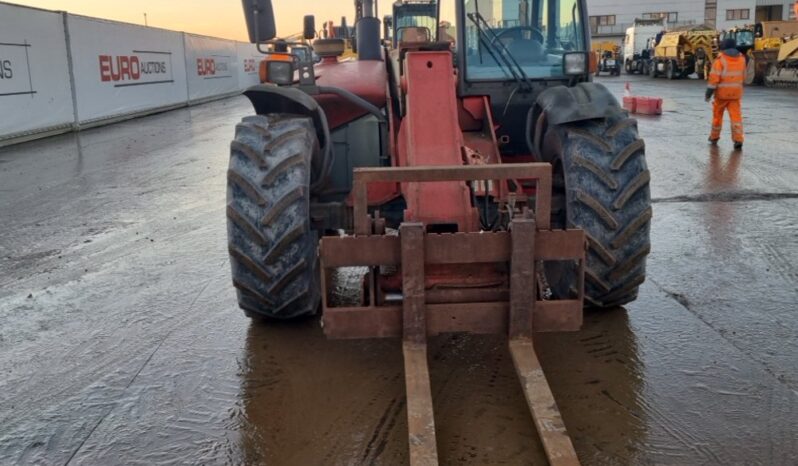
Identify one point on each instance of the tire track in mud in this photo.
(184, 403)
(60, 419)
(377, 430)
(481, 414)
(384, 428)
(680, 405)
(782, 265)
(398, 407)
(346, 290)
(685, 303)
(93, 350)
(141, 368)
(593, 382)
(346, 397)
(681, 434)
(601, 383)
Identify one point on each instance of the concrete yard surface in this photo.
(121, 341)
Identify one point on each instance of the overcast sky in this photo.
(220, 18)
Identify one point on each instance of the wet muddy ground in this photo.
(121, 342)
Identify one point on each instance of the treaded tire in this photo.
(273, 250)
(670, 70)
(750, 72)
(602, 182)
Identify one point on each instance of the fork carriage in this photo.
(512, 306)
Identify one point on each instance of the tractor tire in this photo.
(670, 70)
(273, 250)
(750, 72)
(602, 187)
(770, 75)
(653, 70)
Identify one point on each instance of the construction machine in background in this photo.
(771, 34)
(760, 43)
(678, 54)
(415, 21)
(489, 187)
(743, 36)
(745, 39)
(608, 58)
(784, 72)
(769, 37)
(702, 41)
(639, 43)
(387, 30)
(342, 33)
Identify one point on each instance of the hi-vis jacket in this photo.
(727, 76)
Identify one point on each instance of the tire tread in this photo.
(615, 215)
(273, 249)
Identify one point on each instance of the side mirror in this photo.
(260, 20)
(309, 29)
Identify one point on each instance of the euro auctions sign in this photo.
(215, 67)
(138, 68)
(15, 75)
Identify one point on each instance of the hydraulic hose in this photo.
(327, 160)
(355, 99)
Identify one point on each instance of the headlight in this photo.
(575, 63)
(280, 72)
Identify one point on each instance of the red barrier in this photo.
(630, 104)
(643, 105)
(648, 105)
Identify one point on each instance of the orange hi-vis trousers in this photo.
(735, 114)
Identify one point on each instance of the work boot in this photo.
(738, 145)
(714, 142)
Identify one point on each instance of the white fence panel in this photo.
(35, 93)
(212, 67)
(249, 65)
(60, 71)
(122, 69)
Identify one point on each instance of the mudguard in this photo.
(585, 101)
(268, 99)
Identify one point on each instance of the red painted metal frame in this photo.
(513, 309)
(420, 174)
(482, 310)
(430, 135)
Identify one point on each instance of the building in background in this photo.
(610, 18)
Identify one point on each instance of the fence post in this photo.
(71, 69)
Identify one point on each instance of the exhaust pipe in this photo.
(367, 33)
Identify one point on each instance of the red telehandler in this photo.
(487, 185)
